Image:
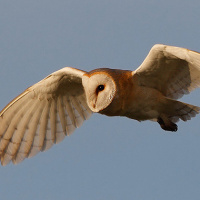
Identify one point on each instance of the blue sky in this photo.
(107, 158)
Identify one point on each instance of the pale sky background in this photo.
(107, 158)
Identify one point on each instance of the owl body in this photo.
(131, 100)
(54, 107)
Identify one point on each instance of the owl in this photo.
(54, 107)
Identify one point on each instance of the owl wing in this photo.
(42, 115)
(174, 71)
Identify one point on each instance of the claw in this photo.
(169, 126)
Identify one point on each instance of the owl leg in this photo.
(166, 124)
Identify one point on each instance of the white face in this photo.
(100, 90)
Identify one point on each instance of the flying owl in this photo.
(52, 108)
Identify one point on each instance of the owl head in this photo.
(102, 88)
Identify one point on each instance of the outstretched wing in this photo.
(42, 115)
(174, 71)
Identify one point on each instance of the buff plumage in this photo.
(54, 107)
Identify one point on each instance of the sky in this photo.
(108, 157)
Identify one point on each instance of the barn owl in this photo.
(52, 108)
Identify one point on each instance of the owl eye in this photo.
(100, 88)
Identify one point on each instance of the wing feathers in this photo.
(174, 71)
(18, 134)
(11, 128)
(43, 115)
(31, 131)
(53, 111)
(69, 111)
(61, 113)
(6, 117)
(79, 117)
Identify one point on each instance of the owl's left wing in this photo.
(174, 71)
(42, 115)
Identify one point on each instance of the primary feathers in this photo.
(52, 108)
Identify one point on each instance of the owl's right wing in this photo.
(42, 115)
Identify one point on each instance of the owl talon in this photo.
(170, 126)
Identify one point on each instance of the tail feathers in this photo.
(182, 110)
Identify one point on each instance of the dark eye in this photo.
(100, 88)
